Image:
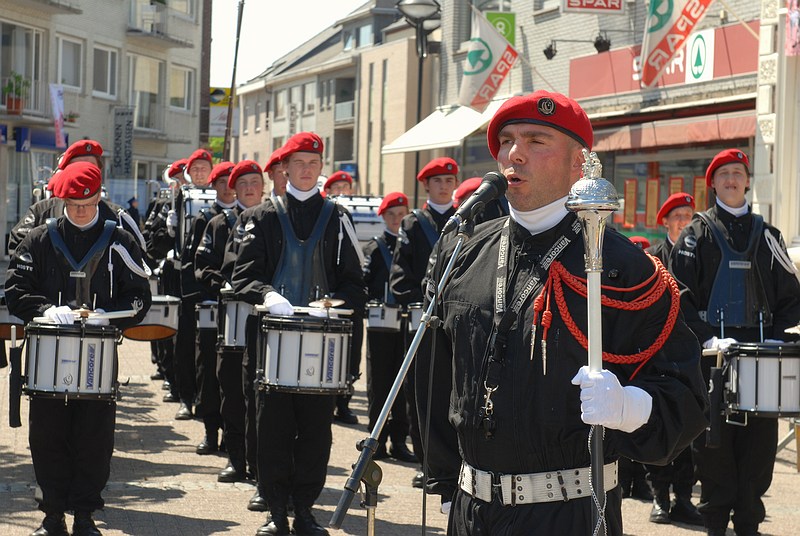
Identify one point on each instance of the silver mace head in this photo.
(593, 199)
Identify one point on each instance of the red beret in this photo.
(336, 177)
(465, 189)
(438, 166)
(640, 241)
(274, 159)
(302, 142)
(393, 199)
(221, 170)
(178, 166)
(81, 180)
(80, 148)
(245, 167)
(680, 199)
(51, 184)
(200, 154)
(542, 108)
(728, 156)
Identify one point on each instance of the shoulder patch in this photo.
(690, 242)
(26, 257)
(207, 240)
(249, 226)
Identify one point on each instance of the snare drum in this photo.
(196, 199)
(71, 361)
(7, 319)
(304, 354)
(206, 314)
(764, 379)
(233, 318)
(160, 322)
(383, 316)
(414, 316)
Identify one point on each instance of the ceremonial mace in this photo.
(593, 199)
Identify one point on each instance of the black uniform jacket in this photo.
(260, 251)
(38, 213)
(190, 286)
(211, 252)
(411, 257)
(376, 273)
(694, 263)
(538, 423)
(662, 251)
(37, 274)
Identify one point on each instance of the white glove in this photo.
(172, 222)
(446, 507)
(607, 403)
(60, 315)
(277, 304)
(775, 341)
(322, 313)
(719, 345)
(94, 321)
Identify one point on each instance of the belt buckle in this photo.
(561, 484)
(497, 486)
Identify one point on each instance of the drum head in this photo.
(150, 332)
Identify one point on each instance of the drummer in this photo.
(736, 475)
(386, 349)
(294, 430)
(274, 169)
(71, 443)
(339, 183)
(247, 180)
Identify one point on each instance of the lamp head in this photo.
(550, 51)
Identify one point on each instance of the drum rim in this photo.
(338, 325)
(72, 330)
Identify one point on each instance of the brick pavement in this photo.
(160, 487)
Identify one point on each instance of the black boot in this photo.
(401, 452)
(231, 474)
(305, 524)
(84, 525)
(683, 511)
(209, 443)
(257, 502)
(53, 524)
(276, 525)
(184, 412)
(641, 489)
(343, 413)
(660, 512)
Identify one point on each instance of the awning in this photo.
(704, 128)
(446, 127)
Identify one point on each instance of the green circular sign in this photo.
(479, 57)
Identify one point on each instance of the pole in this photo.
(421, 53)
(226, 151)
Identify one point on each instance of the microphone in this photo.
(493, 186)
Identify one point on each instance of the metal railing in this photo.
(159, 21)
(344, 111)
(36, 100)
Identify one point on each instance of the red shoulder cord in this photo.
(661, 281)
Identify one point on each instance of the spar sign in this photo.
(594, 6)
(669, 23)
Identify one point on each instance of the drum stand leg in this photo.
(793, 435)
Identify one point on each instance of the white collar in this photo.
(441, 209)
(387, 231)
(300, 195)
(540, 219)
(227, 205)
(738, 212)
(83, 227)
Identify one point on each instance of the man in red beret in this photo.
(82, 151)
(75, 260)
(274, 169)
(339, 183)
(522, 398)
(198, 167)
(247, 181)
(294, 251)
(674, 215)
(740, 286)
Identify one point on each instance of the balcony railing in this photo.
(66, 7)
(157, 21)
(344, 111)
(36, 101)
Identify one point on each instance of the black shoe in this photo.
(84, 525)
(683, 511)
(419, 480)
(157, 376)
(380, 453)
(231, 474)
(169, 397)
(53, 524)
(305, 524)
(207, 446)
(716, 531)
(641, 490)
(746, 531)
(625, 486)
(257, 503)
(401, 453)
(277, 524)
(166, 386)
(660, 512)
(184, 413)
(345, 415)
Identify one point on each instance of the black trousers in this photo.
(473, 517)
(385, 353)
(185, 373)
(232, 407)
(679, 474)
(165, 355)
(354, 359)
(208, 400)
(736, 475)
(71, 446)
(294, 446)
(248, 383)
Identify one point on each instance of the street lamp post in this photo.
(423, 16)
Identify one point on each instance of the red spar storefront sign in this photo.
(594, 6)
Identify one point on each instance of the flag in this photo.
(792, 44)
(669, 23)
(489, 60)
(57, 105)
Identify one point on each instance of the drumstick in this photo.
(306, 310)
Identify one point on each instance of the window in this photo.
(104, 82)
(186, 7)
(309, 96)
(246, 114)
(349, 40)
(21, 52)
(145, 90)
(280, 103)
(257, 156)
(296, 97)
(365, 35)
(257, 119)
(181, 88)
(70, 62)
(277, 142)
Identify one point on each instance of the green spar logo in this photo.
(479, 57)
(660, 14)
(699, 52)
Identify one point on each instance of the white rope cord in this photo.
(778, 252)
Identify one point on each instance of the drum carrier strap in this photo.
(428, 227)
(82, 271)
(383, 247)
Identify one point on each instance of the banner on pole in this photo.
(122, 160)
(669, 23)
(792, 45)
(57, 105)
(489, 60)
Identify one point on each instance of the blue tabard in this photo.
(300, 275)
(737, 295)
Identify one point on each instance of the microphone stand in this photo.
(365, 469)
